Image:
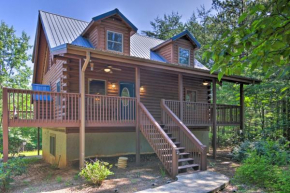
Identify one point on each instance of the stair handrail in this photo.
(187, 132)
(165, 136)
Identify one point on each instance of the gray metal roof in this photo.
(61, 30)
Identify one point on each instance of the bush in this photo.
(96, 172)
(275, 151)
(8, 170)
(258, 170)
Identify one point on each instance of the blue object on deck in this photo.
(41, 87)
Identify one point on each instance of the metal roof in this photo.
(61, 30)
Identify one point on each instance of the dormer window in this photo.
(114, 41)
(183, 56)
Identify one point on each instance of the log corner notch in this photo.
(83, 123)
(5, 125)
(137, 90)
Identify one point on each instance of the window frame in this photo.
(107, 39)
(106, 90)
(188, 56)
(188, 89)
(52, 152)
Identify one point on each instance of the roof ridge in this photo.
(149, 37)
(63, 16)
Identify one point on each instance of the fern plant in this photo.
(96, 172)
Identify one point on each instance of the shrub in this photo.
(275, 151)
(260, 171)
(8, 170)
(96, 172)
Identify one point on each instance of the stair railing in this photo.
(163, 146)
(187, 139)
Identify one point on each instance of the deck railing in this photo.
(27, 106)
(110, 109)
(165, 149)
(199, 114)
(192, 145)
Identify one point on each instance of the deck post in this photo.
(38, 142)
(137, 90)
(180, 95)
(242, 111)
(5, 125)
(214, 116)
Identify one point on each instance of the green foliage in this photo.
(276, 152)
(14, 167)
(96, 172)
(166, 27)
(259, 171)
(58, 179)
(162, 172)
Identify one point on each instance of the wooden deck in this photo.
(27, 108)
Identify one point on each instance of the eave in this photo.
(99, 54)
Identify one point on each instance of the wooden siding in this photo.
(53, 75)
(43, 46)
(193, 83)
(93, 37)
(157, 85)
(126, 75)
(98, 36)
(166, 52)
(183, 43)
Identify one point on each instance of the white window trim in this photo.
(188, 56)
(114, 41)
(90, 79)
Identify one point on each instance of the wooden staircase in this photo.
(184, 161)
(176, 147)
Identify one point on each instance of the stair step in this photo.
(180, 148)
(188, 166)
(172, 138)
(180, 154)
(176, 143)
(185, 159)
(162, 126)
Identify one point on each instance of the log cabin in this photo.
(101, 89)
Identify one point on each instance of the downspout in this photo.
(83, 120)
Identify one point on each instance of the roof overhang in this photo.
(109, 14)
(100, 54)
(176, 37)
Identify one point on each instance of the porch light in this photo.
(142, 88)
(92, 66)
(205, 83)
(107, 69)
(113, 85)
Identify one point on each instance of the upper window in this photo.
(58, 89)
(183, 56)
(97, 87)
(114, 41)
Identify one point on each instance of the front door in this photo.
(127, 90)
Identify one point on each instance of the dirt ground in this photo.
(42, 177)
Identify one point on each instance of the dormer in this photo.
(179, 49)
(110, 31)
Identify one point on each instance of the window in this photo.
(52, 144)
(114, 41)
(190, 96)
(125, 93)
(97, 87)
(183, 56)
(58, 90)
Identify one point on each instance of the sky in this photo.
(22, 14)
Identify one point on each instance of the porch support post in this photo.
(214, 116)
(82, 112)
(180, 95)
(137, 90)
(5, 125)
(242, 111)
(38, 142)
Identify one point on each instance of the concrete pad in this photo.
(200, 182)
